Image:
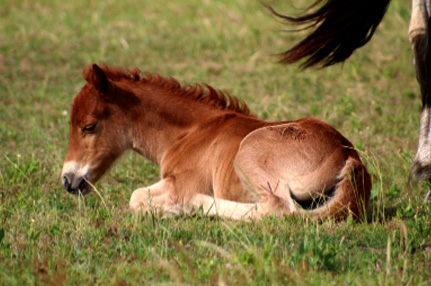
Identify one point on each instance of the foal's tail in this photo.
(350, 195)
(339, 27)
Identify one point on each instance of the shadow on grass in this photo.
(380, 214)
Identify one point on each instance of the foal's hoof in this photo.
(136, 206)
(138, 200)
(173, 211)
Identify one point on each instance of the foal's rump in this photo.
(306, 163)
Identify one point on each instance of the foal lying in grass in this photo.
(213, 154)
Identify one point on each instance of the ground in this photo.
(50, 237)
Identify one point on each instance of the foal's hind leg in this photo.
(297, 160)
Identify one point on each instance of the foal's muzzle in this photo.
(75, 184)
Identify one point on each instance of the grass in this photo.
(48, 237)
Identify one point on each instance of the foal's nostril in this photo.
(83, 184)
(75, 184)
(66, 181)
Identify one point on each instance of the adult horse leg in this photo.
(419, 36)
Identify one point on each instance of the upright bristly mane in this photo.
(203, 93)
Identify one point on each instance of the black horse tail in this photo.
(338, 27)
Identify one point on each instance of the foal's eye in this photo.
(89, 127)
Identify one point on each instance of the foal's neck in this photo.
(161, 118)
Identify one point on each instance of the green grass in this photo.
(48, 237)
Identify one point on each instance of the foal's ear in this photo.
(99, 80)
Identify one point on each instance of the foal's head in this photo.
(97, 131)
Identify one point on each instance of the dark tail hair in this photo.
(340, 27)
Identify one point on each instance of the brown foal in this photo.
(212, 153)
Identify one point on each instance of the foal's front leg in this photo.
(226, 209)
(161, 197)
(157, 197)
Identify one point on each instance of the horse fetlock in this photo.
(420, 171)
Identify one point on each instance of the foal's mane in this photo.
(199, 92)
